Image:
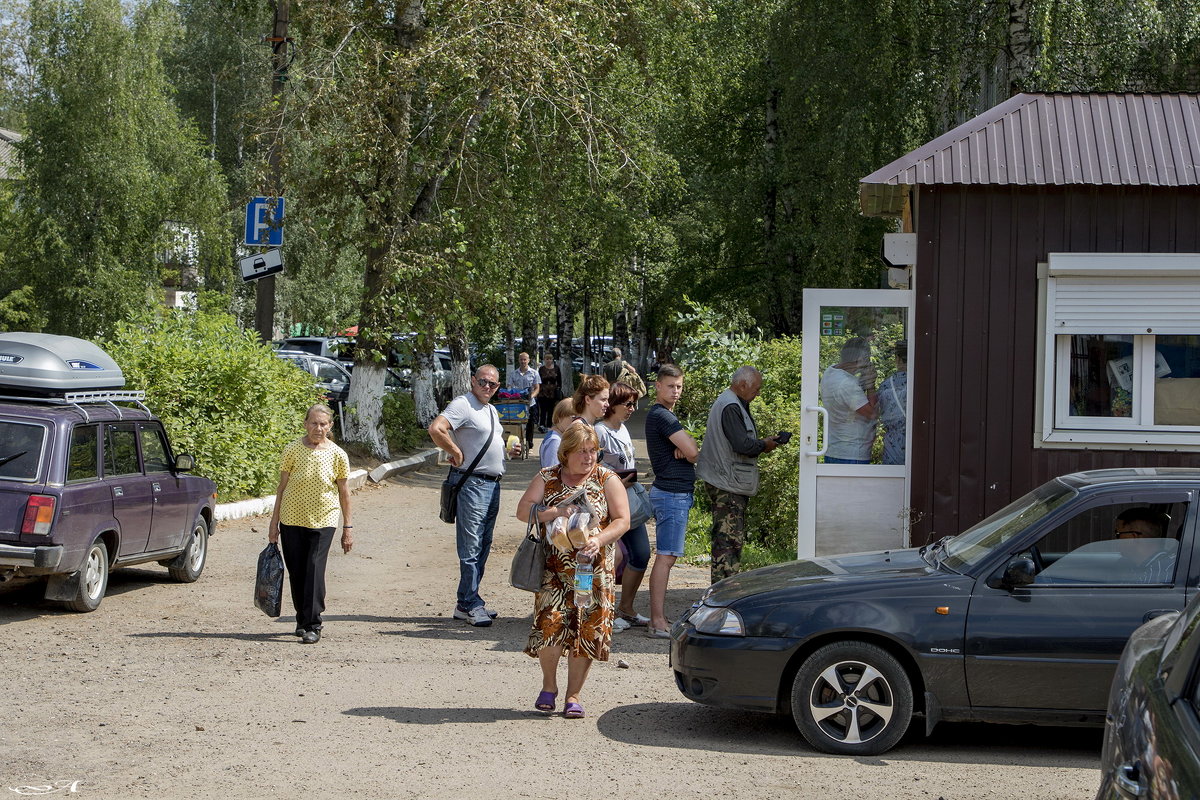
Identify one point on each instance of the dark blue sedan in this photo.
(1020, 619)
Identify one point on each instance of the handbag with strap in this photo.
(529, 562)
(450, 487)
(641, 510)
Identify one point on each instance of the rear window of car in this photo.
(21, 446)
(82, 463)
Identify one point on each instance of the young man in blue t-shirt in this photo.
(673, 453)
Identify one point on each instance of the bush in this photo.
(400, 424)
(222, 395)
(709, 356)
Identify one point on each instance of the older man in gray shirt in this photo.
(468, 426)
(728, 465)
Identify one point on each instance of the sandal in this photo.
(573, 711)
(545, 701)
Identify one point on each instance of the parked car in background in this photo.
(336, 348)
(87, 485)
(1019, 619)
(1152, 732)
(331, 376)
(443, 376)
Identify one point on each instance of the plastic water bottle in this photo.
(583, 581)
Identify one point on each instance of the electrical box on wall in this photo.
(898, 277)
(900, 249)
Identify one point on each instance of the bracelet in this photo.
(344, 527)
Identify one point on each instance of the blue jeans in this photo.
(670, 520)
(829, 460)
(478, 505)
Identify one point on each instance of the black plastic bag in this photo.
(268, 587)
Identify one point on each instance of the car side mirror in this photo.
(1018, 572)
(184, 462)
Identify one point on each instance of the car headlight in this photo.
(719, 621)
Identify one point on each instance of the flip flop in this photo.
(573, 711)
(545, 701)
(658, 633)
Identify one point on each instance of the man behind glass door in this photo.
(849, 395)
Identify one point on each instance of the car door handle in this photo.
(1126, 777)
(1158, 612)
(118, 491)
(157, 488)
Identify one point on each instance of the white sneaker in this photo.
(620, 624)
(479, 616)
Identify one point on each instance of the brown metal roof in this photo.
(1055, 140)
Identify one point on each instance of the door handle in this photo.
(1127, 780)
(821, 413)
(157, 488)
(118, 491)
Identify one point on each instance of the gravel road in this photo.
(188, 690)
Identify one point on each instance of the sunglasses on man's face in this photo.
(486, 384)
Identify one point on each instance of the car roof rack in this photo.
(78, 400)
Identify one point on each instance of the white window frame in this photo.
(1056, 427)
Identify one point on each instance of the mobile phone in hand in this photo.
(783, 436)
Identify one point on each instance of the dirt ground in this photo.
(188, 690)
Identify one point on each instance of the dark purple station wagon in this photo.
(88, 479)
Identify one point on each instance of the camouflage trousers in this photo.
(728, 531)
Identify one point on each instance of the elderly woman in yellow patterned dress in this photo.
(559, 626)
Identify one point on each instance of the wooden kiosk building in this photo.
(1056, 296)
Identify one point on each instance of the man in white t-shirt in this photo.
(849, 396)
(468, 425)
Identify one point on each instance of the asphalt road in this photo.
(188, 690)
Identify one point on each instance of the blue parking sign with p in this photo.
(264, 222)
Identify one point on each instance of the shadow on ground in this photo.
(692, 726)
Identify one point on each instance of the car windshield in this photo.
(974, 545)
(20, 450)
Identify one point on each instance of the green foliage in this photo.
(709, 355)
(713, 346)
(109, 170)
(404, 432)
(223, 396)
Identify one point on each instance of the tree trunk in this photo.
(1022, 49)
(460, 358)
(509, 337)
(423, 396)
(364, 409)
(588, 357)
(529, 340)
(566, 316)
(620, 334)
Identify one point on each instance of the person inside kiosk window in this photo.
(849, 395)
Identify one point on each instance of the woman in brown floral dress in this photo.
(559, 626)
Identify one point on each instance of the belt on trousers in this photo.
(493, 478)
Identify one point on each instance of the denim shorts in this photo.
(670, 520)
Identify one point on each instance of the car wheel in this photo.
(93, 579)
(852, 698)
(190, 563)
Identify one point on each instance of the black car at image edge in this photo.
(1152, 733)
(1020, 619)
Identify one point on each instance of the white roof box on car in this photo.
(42, 364)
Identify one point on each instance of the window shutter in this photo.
(1123, 294)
